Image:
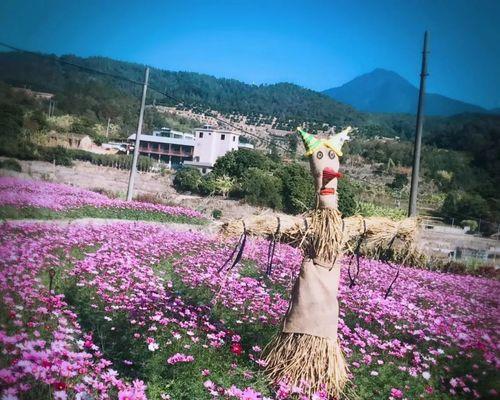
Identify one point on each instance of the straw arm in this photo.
(383, 238)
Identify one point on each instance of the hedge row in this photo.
(63, 156)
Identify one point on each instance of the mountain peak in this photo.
(386, 91)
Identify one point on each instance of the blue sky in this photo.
(316, 44)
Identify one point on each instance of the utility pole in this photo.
(52, 105)
(107, 128)
(412, 209)
(130, 189)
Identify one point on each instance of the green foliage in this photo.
(451, 171)
(298, 189)
(224, 184)
(236, 163)
(36, 120)
(347, 193)
(11, 120)
(262, 188)
(11, 164)
(207, 185)
(153, 119)
(99, 97)
(216, 214)
(187, 179)
(371, 210)
(59, 155)
(399, 182)
(472, 224)
(464, 206)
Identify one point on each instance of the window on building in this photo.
(234, 138)
(201, 135)
(222, 137)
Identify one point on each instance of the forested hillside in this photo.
(101, 96)
(466, 169)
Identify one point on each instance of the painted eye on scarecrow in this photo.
(319, 155)
(331, 154)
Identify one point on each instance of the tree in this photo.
(293, 141)
(298, 189)
(347, 192)
(461, 205)
(224, 184)
(262, 188)
(399, 182)
(472, 224)
(11, 120)
(187, 179)
(236, 163)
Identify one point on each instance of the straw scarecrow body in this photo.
(307, 350)
(307, 353)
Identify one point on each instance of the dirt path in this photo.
(208, 228)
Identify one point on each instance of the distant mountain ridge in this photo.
(284, 105)
(384, 91)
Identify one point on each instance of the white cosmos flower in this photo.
(153, 346)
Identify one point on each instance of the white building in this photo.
(210, 144)
(199, 149)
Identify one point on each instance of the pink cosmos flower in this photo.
(179, 358)
(396, 393)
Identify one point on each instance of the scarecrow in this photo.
(307, 349)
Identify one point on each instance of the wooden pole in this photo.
(131, 180)
(412, 209)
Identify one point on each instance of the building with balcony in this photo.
(199, 149)
(166, 146)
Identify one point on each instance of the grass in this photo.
(10, 212)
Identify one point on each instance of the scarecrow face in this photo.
(325, 164)
(325, 169)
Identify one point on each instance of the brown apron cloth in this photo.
(314, 308)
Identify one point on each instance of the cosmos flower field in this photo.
(133, 310)
(59, 200)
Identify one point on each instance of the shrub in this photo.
(262, 188)
(372, 210)
(399, 182)
(298, 189)
(11, 119)
(217, 214)
(236, 163)
(59, 155)
(472, 224)
(224, 184)
(11, 164)
(207, 185)
(347, 193)
(459, 205)
(187, 179)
